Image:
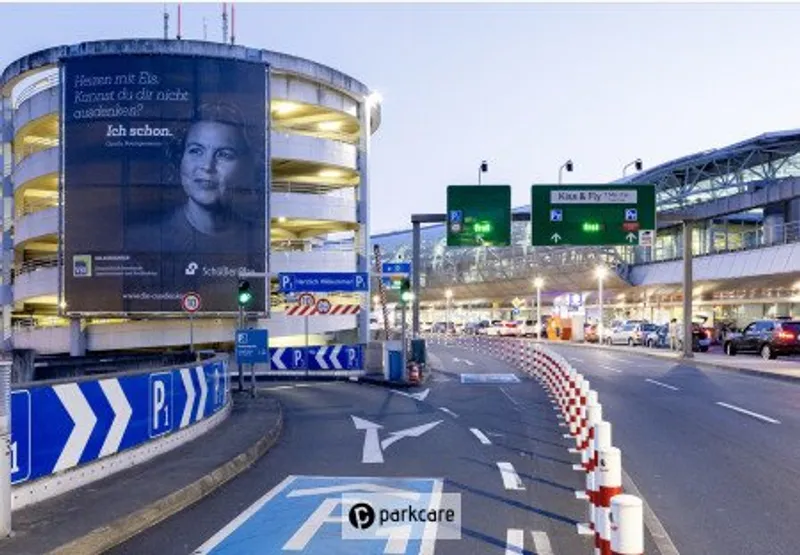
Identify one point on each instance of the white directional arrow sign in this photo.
(631, 237)
(276, 359)
(372, 447)
(201, 406)
(122, 415)
(409, 432)
(83, 419)
(320, 356)
(186, 378)
(555, 237)
(335, 357)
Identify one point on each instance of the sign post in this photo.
(593, 215)
(191, 303)
(252, 347)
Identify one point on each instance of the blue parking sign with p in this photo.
(556, 215)
(631, 215)
(161, 411)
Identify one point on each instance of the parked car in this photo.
(474, 328)
(658, 337)
(526, 328)
(508, 329)
(493, 328)
(770, 338)
(701, 338)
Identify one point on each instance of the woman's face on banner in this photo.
(214, 162)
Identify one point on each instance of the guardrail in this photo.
(67, 433)
(35, 87)
(614, 518)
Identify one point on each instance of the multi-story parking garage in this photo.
(744, 204)
(318, 133)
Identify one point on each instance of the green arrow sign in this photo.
(478, 215)
(593, 215)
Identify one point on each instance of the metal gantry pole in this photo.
(538, 313)
(241, 369)
(687, 290)
(8, 455)
(415, 278)
(600, 327)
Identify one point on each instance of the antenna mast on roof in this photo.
(225, 22)
(178, 36)
(233, 22)
(166, 22)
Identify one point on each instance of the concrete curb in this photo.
(106, 537)
(759, 373)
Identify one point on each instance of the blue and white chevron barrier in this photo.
(324, 357)
(57, 427)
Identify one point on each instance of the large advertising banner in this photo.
(164, 182)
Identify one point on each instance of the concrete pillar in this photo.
(362, 214)
(774, 218)
(77, 338)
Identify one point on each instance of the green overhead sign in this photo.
(478, 215)
(591, 215)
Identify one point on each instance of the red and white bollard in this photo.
(608, 478)
(627, 525)
(594, 415)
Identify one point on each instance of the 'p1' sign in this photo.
(160, 404)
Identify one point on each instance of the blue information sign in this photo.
(324, 282)
(252, 346)
(396, 268)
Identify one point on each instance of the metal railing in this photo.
(36, 87)
(31, 205)
(339, 191)
(36, 265)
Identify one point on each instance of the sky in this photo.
(523, 86)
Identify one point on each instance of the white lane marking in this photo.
(515, 541)
(511, 479)
(576, 359)
(611, 368)
(480, 435)
(541, 543)
(305, 385)
(277, 387)
(448, 411)
(510, 398)
(421, 396)
(233, 525)
(660, 537)
(672, 387)
(468, 362)
(749, 413)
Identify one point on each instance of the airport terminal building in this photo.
(137, 171)
(744, 204)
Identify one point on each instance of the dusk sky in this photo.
(525, 86)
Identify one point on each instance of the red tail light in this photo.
(786, 335)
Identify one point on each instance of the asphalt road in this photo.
(722, 481)
(530, 500)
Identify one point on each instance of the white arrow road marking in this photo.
(416, 431)
(749, 413)
(201, 406)
(511, 479)
(186, 378)
(456, 359)
(321, 358)
(515, 541)
(276, 358)
(371, 453)
(83, 419)
(122, 415)
(335, 357)
(448, 411)
(468, 362)
(421, 396)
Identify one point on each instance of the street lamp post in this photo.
(600, 272)
(538, 282)
(568, 165)
(636, 163)
(483, 168)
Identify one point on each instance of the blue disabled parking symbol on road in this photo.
(305, 514)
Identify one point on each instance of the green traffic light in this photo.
(245, 298)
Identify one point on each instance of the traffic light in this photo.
(245, 295)
(405, 291)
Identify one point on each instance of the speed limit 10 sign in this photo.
(191, 302)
